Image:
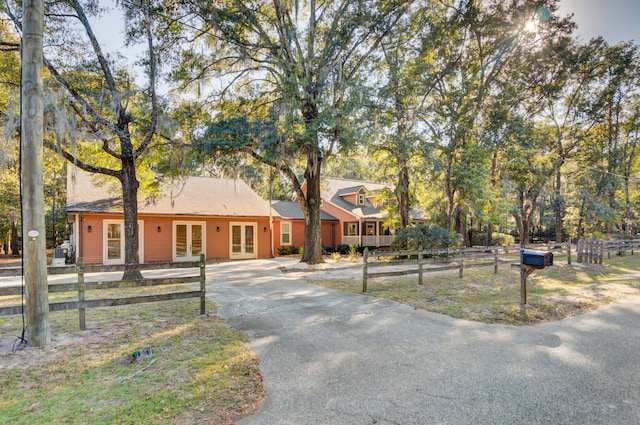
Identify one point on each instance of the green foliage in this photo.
(428, 236)
(479, 238)
(288, 250)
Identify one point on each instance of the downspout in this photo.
(79, 239)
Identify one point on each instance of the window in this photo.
(371, 229)
(360, 198)
(384, 230)
(285, 233)
(114, 241)
(352, 229)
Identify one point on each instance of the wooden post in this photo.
(460, 273)
(569, 252)
(365, 254)
(495, 260)
(601, 252)
(33, 225)
(81, 310)
(203, 285)
(579, 248)
(420, 265)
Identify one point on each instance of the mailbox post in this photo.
(531, 260)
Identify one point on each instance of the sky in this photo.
(615, 20)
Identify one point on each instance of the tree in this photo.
(295, 68)
(469, 66)
(100, 94)
(9, 151)
(396, 78)
(526, 170)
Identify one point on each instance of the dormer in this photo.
(354, 195)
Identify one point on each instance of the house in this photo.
(357, 205)
(221, 218)
(289, 226)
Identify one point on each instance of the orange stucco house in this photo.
(362, 217)
(222, 218)
(289, 225)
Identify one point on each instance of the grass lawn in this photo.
(554, 293)
(195, 370)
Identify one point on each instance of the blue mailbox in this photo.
(537, 259)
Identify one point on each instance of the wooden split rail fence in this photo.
(592, 250)
(416, 260)
(433, 260)
(81, 286)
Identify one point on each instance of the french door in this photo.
(188, 240)
(114, 237)
(244, 240)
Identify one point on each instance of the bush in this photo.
(288, 250)
(479, 238)
(429, 236)
(502, 239)
(343, 248)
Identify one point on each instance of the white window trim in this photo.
(282, 233)
(105, 246)
(361, 198)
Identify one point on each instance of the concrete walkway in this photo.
(330, 357)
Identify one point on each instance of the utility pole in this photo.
(34, 249)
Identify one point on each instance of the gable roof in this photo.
(293, 211)
(204, 196)
(332, 189)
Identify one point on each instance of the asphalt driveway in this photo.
(330, 357)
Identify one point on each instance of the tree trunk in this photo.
(626, 225)
(130, 186)
(312, 232)
(489, 234)
(402, 191)
(559, 201)
(15, 240)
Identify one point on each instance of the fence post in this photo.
(81, 310)
(461, 260)
(495, 260)
(203, 284)
(365, 254)
(569, 252)
(601, 254)
(420, 265)
(579, 248)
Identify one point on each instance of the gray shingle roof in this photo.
(204, 196)
(293, 211)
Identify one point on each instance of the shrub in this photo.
(479, 238)
(502, 239)
(429, 236)
(288, 250)
(353, 251)
(343, 248)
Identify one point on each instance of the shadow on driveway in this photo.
(330, 357)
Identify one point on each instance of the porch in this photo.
(367, 233)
